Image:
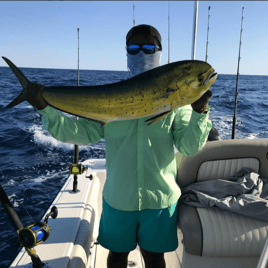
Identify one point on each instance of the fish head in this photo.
(194, 78)
(208, 77)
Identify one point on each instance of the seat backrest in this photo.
(205, 230)
(221, 169)
(220, 159)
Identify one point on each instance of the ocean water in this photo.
(34, 165)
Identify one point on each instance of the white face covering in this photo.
(142, 62)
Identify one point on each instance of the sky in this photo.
(43, 34)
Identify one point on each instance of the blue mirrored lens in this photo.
(149, 49)
(134, 49)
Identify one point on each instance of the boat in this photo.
(208, 237)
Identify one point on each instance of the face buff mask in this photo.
(142, 62)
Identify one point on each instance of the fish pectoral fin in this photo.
(102, 123)
(157, 117)
(165, 95)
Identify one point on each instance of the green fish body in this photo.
(156, 93)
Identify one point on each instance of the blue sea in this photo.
(34, 165)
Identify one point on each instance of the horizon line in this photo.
(112, 70)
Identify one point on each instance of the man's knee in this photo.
(118, 255)
(117, 260)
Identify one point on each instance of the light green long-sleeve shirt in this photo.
(140, 159)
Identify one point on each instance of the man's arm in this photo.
(70, 130)
(61, 127)
(190, 130)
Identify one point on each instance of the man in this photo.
(140, 194)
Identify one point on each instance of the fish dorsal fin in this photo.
(157, 117)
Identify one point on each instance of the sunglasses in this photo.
(147, 49)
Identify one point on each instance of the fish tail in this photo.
(23, 80)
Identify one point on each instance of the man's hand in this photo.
(34, 96)
(199, 105)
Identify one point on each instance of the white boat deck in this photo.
(75, 231)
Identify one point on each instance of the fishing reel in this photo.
(35, 234)
(78, 169)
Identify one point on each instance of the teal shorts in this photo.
(154, 230)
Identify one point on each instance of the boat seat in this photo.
(211, 232)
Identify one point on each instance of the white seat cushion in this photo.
(227, 234)
(222, 233)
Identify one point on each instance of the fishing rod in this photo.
(31, 236)
(237, 77)
(78, 60)
(194, 29)
(168, 32)
(133, 14)
(75, 168)
(207, 34)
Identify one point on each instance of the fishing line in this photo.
(29, 214)
(2, 173)
(21, 203)
(3, 177)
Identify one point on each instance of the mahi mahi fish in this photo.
(155, 93)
